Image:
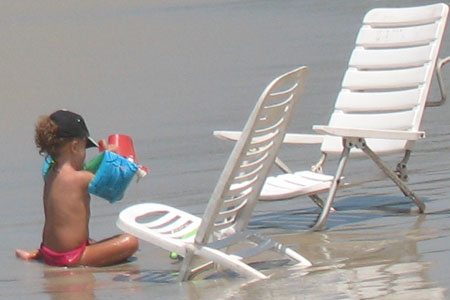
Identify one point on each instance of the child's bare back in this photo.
(66, 206)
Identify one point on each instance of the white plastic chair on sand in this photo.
(224, 223)
(379, 108)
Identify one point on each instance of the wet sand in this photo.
(168, 73)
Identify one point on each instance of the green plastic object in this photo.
(94, 164)
(174, 255)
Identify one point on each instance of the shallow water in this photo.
(168, 73)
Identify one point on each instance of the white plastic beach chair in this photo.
(379, 108)
(230, 207)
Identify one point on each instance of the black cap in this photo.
(72, 125)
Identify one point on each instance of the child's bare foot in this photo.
(27, 255)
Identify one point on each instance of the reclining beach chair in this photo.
(379, 108)
(224, 223)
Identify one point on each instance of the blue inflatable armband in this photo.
(113, 174)
(48, 164)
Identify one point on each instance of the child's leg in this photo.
(110, 251)
(26, 255)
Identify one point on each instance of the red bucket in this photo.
(124, 145)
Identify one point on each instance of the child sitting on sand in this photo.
(65, 239)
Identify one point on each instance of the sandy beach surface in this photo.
(168, 73)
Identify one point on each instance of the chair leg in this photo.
(283, 167)
(280, 248)
(302, 261)
(229, 261)
(334, 186)
(317, 200)
(185, 270)
(393, 176)
(218, 257)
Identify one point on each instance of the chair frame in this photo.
(225, 220)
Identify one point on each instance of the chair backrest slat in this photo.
(399, 120)
(379, 59)
(353, 101)
(370, 37)
(402, 17)
(361, 80)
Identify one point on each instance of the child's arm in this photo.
(86, 177)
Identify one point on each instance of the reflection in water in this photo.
(89, 282)
(373, 265)
(389, 279)
(64, 283)
(362, 262)
(153, 276)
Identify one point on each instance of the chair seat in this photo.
(302, 183)
(170, 227)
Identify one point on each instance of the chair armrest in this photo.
(297, 138)
(440, 63)
(227, 135)
(370, 133)
(289, 138)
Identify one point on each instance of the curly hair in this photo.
(46, 139)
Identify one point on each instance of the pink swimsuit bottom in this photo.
(62, 259)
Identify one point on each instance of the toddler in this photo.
(65, 238)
